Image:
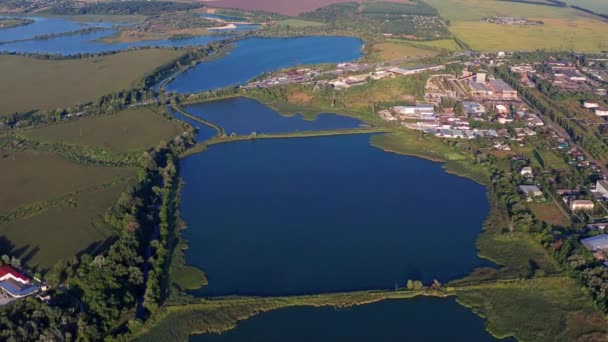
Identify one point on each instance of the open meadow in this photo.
(30, 83)
(32, 176)
(397, 50)
(563, 28)
(125, 131)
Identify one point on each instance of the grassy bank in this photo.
(176, 323)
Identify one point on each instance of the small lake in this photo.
(243, 116)
(43, 26)
(325, 214)
(417, 319)
(89, 43)
(254, 56)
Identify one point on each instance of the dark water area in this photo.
(204, 132)
(44, 26)
(325, 214)
(89, 43)
(416, 319)
(254, 56)
(243, 116)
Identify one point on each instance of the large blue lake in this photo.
(418, 319)
(254, 56)
(243, 116)
(294, 216)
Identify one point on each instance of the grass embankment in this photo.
(563, 29)
(299, 23)
(420, 145)
(546, 309)
(126, 131)
(176, 323)
(30, 83)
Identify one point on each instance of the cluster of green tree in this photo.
(31, 320)
(415, 18)
(14, 22)
(587, 137)
(125, 8)
(55, 35)
(581, 264)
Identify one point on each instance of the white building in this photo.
(577, 205)
(588, 104)
(601, 111)
(526, 171)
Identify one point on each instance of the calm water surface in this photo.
(43, 26)
(243, 116)
(89, 43)
(294, 216)
(418, 319)
(254, 56)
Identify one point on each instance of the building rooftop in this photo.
(596, 242)
(500, 86)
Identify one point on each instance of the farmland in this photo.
(49, 84)
(563, 28)
(62, 231)
(126, 131)
(32, 176)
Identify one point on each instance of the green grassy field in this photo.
(442, 44)
(397, 50)
(30, 83)
(63, 231)
(549, 213)
(563, 29)
(126, 131)
(32, 176)
(299, 23)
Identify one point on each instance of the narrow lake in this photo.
(243, 116)
(254, 56)
(417, 319)
(88, 42)
(43, 26)
(295, 216)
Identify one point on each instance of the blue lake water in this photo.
(294, 216)
(204, 132)
(43, 26)
(242, 115)
(88, 43)
(254, 56)
(417, 319)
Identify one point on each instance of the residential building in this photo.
(577, 205)
(601, 111)
(601, 187)
(531, 191)
(526, 171)
(595, 243)
(588, 104)
(15, 283)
